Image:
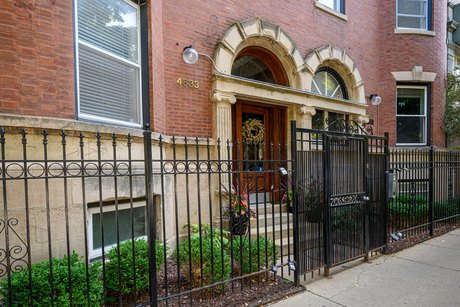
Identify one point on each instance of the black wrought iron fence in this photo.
(426, 191)
(91, 219)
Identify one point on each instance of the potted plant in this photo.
(239, 210)
(239, 213)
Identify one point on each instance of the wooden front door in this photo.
(254, 154)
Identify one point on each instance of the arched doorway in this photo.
(259, 129)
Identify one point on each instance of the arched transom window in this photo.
(259, 64)
(328, 82)
(248, 66)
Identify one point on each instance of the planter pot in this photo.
(239, 224)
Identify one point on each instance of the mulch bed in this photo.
(256, 291)
(397, 246)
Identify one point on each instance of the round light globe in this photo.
(190, 55)
(376, 100)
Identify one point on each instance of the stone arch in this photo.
(340, 61)
(257, 32)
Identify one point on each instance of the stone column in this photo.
(305, 116)
(223, 115)
(222, 124)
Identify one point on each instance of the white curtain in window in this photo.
(108, 56)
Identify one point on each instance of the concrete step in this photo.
(277, 230)
(272, 219)
(270, 208)
(286, 248)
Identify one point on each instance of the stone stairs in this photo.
(276, 223)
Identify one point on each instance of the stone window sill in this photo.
(415, 31)
(331, 11)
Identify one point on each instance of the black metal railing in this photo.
(340, 195)
(96, 218)
(426, 192)
(90, 219)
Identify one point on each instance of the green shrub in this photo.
(215, 263)
(442, 210)
(141, 252)
(259, 254)
(41, 289)
(348, 218)
(409, 206)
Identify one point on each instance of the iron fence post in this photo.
(366, 179)
(326, 197)
(151, 212)
(386, 199)
(431, 190)
(294, 201)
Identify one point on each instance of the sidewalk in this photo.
(427, 274)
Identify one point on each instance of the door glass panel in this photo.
(253, 132)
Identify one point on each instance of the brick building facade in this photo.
(359, 41)
(116, 67)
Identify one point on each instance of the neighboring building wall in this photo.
(37, 58)
(401, 52)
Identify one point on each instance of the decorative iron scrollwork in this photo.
(12, 259)
(343, 200)
(342, 125)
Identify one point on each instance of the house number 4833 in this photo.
(188, 83)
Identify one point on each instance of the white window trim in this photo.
(96, 253)
(102, 119)
(411, 15)
(415, 31)
(425, 89)
(331, 11)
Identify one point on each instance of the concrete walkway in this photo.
(427, 274)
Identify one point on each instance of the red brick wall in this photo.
(36, 58)
(157, 82)
(203, 23)
(401, 52)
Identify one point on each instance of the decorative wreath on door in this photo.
(253, 131)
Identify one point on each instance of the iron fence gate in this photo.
(340, 191)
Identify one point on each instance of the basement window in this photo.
(132, 223)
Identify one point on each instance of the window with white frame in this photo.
(411, 115)
(109, 68)
(336, 5)
(413, 14)
(129, 220)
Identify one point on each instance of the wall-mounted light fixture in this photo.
(375, 99)
(191, 56)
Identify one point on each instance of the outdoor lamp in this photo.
(375, 99)
(191, 56)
